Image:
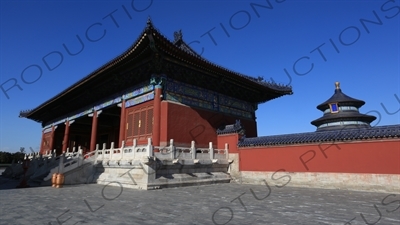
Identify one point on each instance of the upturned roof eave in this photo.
(340, 97)
(199, 61)
(205, 64)
(360, 117)
(84, 80)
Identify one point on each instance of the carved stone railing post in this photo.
(79, 156)
(193, 149)
(172, 148)
(211, 151)
(134, 147)
(149, 148)
(122, 150)
(111, 150)
(103, 151)
(96, 153)
(226, 151)
(80, 151)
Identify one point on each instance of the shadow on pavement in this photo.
(8, 183)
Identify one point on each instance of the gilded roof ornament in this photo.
(337, 84)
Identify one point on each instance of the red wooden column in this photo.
(93, 135)
(157, 115)
(51, 145)
(122, 126)
(41, 143)
(66, 136)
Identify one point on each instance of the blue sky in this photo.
(239, 35)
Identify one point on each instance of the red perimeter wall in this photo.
(184, 124)
(231, 140)
(378, 157)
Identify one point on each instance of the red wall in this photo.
(378, 157)
(164, 124)
(231, 140)
(184, 124)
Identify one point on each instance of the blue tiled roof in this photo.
(342, 98)
(379, 132)
(185, 47)
(232, 128)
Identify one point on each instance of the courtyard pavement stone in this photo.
(208, 204)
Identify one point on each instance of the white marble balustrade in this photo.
(125, 152)
(174, 152)
(138, 152)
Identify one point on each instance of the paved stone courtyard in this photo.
(213, 204)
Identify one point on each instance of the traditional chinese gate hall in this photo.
(160, 103)
(156, 89)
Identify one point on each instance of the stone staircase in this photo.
(170, 166)
(161, 174)
(136, 166)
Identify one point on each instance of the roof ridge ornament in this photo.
(149, 23)
(178, 36)
(337, 84)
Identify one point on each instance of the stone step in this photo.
(195, 179)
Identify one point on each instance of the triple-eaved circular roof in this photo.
(340, 111)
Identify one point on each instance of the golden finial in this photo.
(337, 84)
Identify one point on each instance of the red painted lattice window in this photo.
(150, 120)
(129, 125)
(136, 124)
